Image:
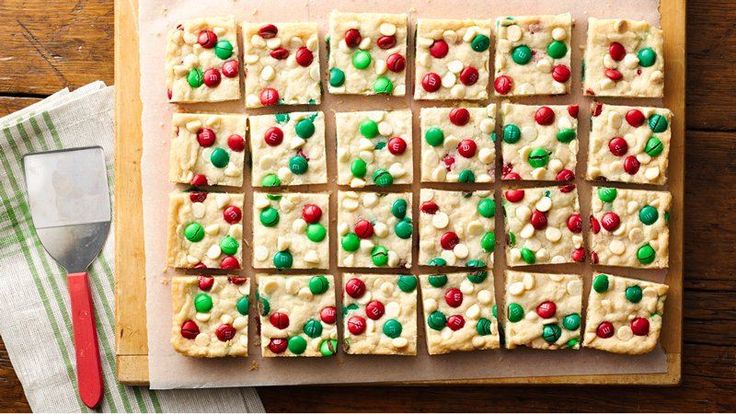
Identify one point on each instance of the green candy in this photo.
(477, 277)
(633, 294)
(269, 217)
(515, 312)
(647, 57)
(521, 54)
(351, 307)
(298, 165)
(436, 320)
(538, 157)
(318, 284)
(379, 145)
(607, 194)
(572, 342)
(434, 136)
(658, 123)
(242, 305)
(358, 167)
(297, 345)
(653, 147)
(483, 327)
(488, 242)
(437, 280)
(316, 232)
(202, 302)
(361, 59)
(646, 254)
(511, 237)
(195, 78)
(229, 245)
(404, 229)
(283, 260)
(565, 135)
(480, 43)
(437, 261)
(382, 177)
(551, 332)
(511, 134)
(383, 86)
(265, 305)
(337, 77)
(271, 180)
(486, 207)
(600, 283)
(219, 158)
(392, 328)
(398, 208)
(194, 232)
(282, 118)
(350, 242)
(494, 311)
(556, 49)
(304, 128)
(328, 347)
(466, 176)
(528, 255)
(379, 256)
(223, 49)
(648, 215)
(571, 322)
(368, 128)
(313, 328)
(475, 263)
(493, 136)
(407, 283)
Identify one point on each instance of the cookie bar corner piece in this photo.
(533, 55)
(367, 53)
(543, 225)
(456, 228)
(624, 315)
(452, 59)
(458, 144)
(290, 231)
(623, 58)
(288, 149)
(375, 229)
(543, 310)
(374, 148)
(282, 63)
(539, 142)
(205, 230)
(202, 61)
(460, 312)
(298, 315)
(380, 314)
(629, 144)
(210, 315)
(629, 228)
(207, 149)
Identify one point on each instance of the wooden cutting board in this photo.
(130, 308)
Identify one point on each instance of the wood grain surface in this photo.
(48, 45)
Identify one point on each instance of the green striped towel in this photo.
(36, 326)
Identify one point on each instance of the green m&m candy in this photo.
(572, 342)
(229, 245)
(223, 49)
(316, 232)
(382, 177)
(194, 232)
(398, 208)
(404, 228)
(361, 59)
(600, 283)
(556, 49)
(571, 322)
(313, 328)
(653, 147)
(298, 165)
(305, 128)
(648, 215)
(511, 134)
(475, 263)
(269, 217)
(538, 157)
(318, 284)
(242, 305)
(283, 260)
(297, 345)
(337, 77)
(358, 168)
(646, 254)
(521, 54)
(383, 86)
(202, 302)
(528, 256)
(265, 305)
(436, 320)
(437, 261)
(633, 294)
(368, 128)
(515, 312)
(551, 332)
(271, 180)
(483, 327)
(494, 311)
(565, 135)
(488, 241)
(486, 208)
(282, 118)
(434, 136)
(477, 277)
(407, 283)
(511, 237)
(195, 78)
(219, 158)
(392, 328)
(658, 123)
(647, 56)
(379, 255)
(607, 194)
(328, 347)
(480, 43)
(466, 176)
(350, 242)
(437, 280)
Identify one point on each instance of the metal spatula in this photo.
(70, 207)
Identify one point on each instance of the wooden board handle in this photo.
(89, 369)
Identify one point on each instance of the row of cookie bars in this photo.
(299, 314)
(627, 228)
(367, 54)
(626, 144)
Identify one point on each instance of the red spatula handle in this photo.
(89, 370)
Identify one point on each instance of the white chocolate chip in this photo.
(387, 29)
(513, 33)
(440, 220)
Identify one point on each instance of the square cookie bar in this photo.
(460, 312)
(623, 58)
(533, 55)
(210, 315)
(205, 230)
(456, 228)
(629, 227)
(288, 149)
(290, 231)
(374, 148)
(282, 63)
(367, 53)
(624, 315)
(298, 315)
(539, 142)
(380, 314)
(543, 225)
(459, 144)
(207, 149)
(543, 310)
(375, 229)
(452, 59)
(202, 61)
(629, 144)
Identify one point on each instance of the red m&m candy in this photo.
(364, 229)
(352, 38)
(355, 288)
(374, 310)
(279, 320)
(455, 322)
(207, 39)
(459, 116)
(230, 68)
(605, 329)
(573, 110)
(304, 56)
(595, 226)
(429, 207)
(546, 309)
(232, 214)
(467, 148)
(618, 146)
(206, 137)
(189, 329)
(273, 136)
(544, 116)
(439, 49)
(539, 220)
(635, 118)
(578, 255)
(454, 297)
(269, 96)
(328, 315)
(212, 77)
(395, 62)
(575, 223)
(268, 31)
(469, 76)
(514, 196)
(197, 196)
(431, 82)
(279, 53)
(356, 325)
(236, 142)
(631, 165)
(613, 75)
(561, 73)
(278, 345)
(386, 42)
(229, 262)
(449, 240)
(610, 221)
(199, 180)
(311, 213)
(205, 282)
(565, 175)
(225, 332)
(396, 145)
(502, 84)
(640, 326)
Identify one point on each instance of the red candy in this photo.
(467, 148)
(503, 84)
(544, 116)
(199, 180)
(356, 325)
(575, 223)
(439, 49)
(396, 145)
(546, 309)
(573, 110)
(200, 266)
(225, 332)
(364, 229)
(635, 118)
(617, 51)
(449, 160)
(618, 146)
(279, 320)
(230, 68)
(514, 196)
(640, 326)
(278, 345)
(395, 62)
(594, 257)
(229, 262)
(197, 196)
(236, 142)
(268, 31)
(596, 108)
(232, 214)
(269, 96)
(566, 188)
(595, 226)
(539, 220)
(454, 297)
(274, 136)
(512, 176)
(205, 282)
(311, 213)
(449, 240)
(613, 75)
(631, 165)
(429, 207)
(610, 221)
(386, 42)
(207, 39)
(455, 322)
(431, 82)
(459, 116)
(374, 310)
(189, 329)
(206, 137)
(237, 280)
(604, 330)
(469, 76)
(279, 53)
(304, 56)
(565, 175)
(212, 77)
(328, 314)
(578, 255)
(352, 38)
(355, 288)
(561, 73)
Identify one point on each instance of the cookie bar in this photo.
(288, 149)
(380, 314)
(533, 55)
(623, 58)
(456, 228)
(459, 144)
(207, 149)
(202, 61)
(290, 231)
(629, 227)
(367, 53)
(452, 59)
(543, 225)
(205, 230)
(629, 144)
(374, 148)
(298, 315)
(375, 229)
(210, 315)
(460, 312)
(624, 315)
(282, 63)
(539, 142)
(543, 310)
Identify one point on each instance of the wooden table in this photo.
(51, 44)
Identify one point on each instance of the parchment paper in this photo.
(168, 369)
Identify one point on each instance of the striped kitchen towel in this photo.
(36, 326)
